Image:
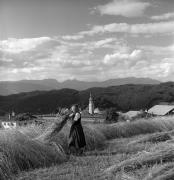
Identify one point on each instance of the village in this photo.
(90, 114)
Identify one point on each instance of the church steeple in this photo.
(91, 104)
(90, 97)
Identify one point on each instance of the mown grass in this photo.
(92, 166)
(89, 166)
(18, 152)
(161, 172)
(31, 130)
(141, 126)
(145, 159)
(34, 147)
(154, 138)
(94, 139)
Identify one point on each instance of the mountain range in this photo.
(15, 87)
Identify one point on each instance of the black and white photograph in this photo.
(86, 89)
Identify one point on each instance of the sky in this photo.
(89, 40)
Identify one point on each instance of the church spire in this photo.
(91, 104)
(90, 97)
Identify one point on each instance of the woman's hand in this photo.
(71, 115)
(66, 112)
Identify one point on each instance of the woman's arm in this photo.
(77, 116)
(71, 117)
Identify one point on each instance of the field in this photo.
(139, 150)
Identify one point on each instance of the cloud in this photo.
(125, 8)
(111, 59)
(72, 37)
(159, 50)
(95, 59)
(13, 45)
(148, 28)
(165, 16)
(104, 42)
(138, 63)
(101, 44)
(46, 57)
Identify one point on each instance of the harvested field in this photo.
(112, 151)
(144, 159)
(142, 126)
(155, 137)
(161, 172)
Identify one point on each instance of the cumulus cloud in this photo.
(165, 16)
(148, 28)
(125, 8)
(13, 45)
(48, 57)
(140, 64)
(111, 59)
(72, 37)
(98, 59)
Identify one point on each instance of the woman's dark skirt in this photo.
(77, 137)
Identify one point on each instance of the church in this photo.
(90, 109)
(92, 114)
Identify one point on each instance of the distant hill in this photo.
(123, 97)
(82, 85)
(14, 87)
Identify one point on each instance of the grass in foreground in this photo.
(141, 126)
(94, 163)
(18, 152)
(33, 149)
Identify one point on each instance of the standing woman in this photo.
(76, 136)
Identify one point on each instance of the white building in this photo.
(9, 124)
(13, 114)
(97, 111)
(132, 114)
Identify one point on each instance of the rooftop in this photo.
(161, 109)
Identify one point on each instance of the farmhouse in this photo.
(132, 114)
(98, 111)
(161, 110)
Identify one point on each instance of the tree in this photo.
(104, 102)
(112, 115)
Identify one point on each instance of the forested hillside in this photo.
(124, 98)
(38, 101)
